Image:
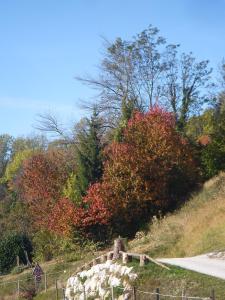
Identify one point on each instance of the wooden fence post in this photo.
(109, 255)
(183, 297)
(63, 291)
(134, 293)
(143, 260)
(213, 295)
(56, 287)
(125, 258)
(157, 294)
(112, 293)
(118, 246)
(35, 283)
(17, 260)
(18, 289)
(84, 293)
(46, 285)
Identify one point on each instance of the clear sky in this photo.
(45, 43)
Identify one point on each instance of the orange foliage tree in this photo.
(90, 219)
(41, 182)
(149, 171)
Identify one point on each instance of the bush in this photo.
(12, 246)
(46, 245)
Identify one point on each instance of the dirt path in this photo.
(202, 264)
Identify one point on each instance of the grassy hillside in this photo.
(172, 282)
(151, 276)
(176, 280)
(56, 270)
(196, 228)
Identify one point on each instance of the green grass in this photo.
(175, 280)
(50, 294)
(55, 270)
(171, 282)
(151, 276)
(196, 228)
(59, 270)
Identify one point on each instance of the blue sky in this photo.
(44, 44)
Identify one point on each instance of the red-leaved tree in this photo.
(149, 171)
(41, 182)
(90, 219)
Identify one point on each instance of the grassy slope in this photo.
(59, 270)
(175, 280)
(151, 276)
(196, 228)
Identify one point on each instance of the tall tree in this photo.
(5, 151)
(88, 154)
(145, 69)
(33, 142)
(5, 154)
(41, 183)
(130, 73)
(184, 83)
(153, 168)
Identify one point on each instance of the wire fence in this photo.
(54, 284)
(137, 294)
(31, 285)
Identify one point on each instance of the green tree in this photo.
(14, 166)
(88, 157)
(33, 142)
(11, 246)
(213, 154)
(126, 113)
(5, 151)
(201, 125)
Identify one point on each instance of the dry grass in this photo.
(198, 227)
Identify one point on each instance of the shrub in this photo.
(49, 245)
(46, 245)
(213, 157)
(11, 246)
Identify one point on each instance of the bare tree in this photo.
(139, 72)
(49, 123)
(129, 74)
(185, 85)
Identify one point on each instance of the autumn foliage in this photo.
(62, 217)
(148, 171)
(41, 182)
(89, 218)
(141, 174)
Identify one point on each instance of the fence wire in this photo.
(16, 287)
(137, 295)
